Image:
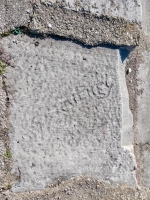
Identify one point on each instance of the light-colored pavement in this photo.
(67, 112)
(68, 103)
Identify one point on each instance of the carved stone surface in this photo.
(68, 106)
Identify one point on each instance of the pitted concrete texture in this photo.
(145, 157)
(143, 101)
(146, 15)
(67, 112)
(2, 152)
(143, 122)
(82, 26)
(14, 13)
(109, 22)
(130, 9)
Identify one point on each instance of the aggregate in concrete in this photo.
(14, 13)
(130, 9)
(110, 22)
(82, 26)
(69, 112)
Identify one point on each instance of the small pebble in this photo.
(128, 71)
(49, 25)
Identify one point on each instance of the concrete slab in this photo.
(14, 13)
(130, 10)
(69, 112)
(112, 24)
(82, 26)
(143, 110)
(144, 101)
(145, 15)
(143, 119)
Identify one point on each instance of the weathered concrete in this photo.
(81, 26)
(143, 100)
(145, 15)
(57, 18)
(70, 108)
(143, 109)
(145, 157)
(143, 118)
(129, 10)
(68, 113)
(14, 13)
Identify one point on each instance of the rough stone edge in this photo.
(107, 29)
(5, 125)
(135, 58)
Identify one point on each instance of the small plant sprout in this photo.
(31, 16)
(8, 154)
(9, 186)
(4, 34)
(2, 67)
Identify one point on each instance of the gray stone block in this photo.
(69, 112)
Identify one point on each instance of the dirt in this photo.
(80, 188)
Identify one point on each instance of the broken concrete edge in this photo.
(34, 34)
(5, 126)
(127, 137)
(86, 28)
